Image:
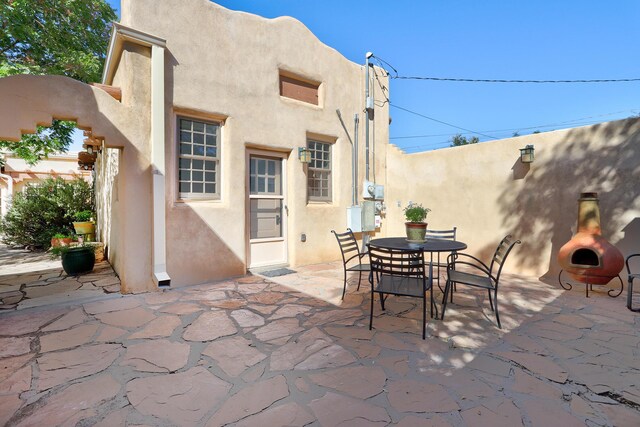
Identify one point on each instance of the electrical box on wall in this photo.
(354, 218)
(368, 215)
(371, 190)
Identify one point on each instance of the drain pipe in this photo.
(354, 184)
(10, 190)
(355, 160)
(369, 110)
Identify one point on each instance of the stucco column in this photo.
(6, 197)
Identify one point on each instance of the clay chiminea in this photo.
(588, 257)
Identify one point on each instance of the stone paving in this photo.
(33, 279)
(253, 352)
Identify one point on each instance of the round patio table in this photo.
(429, 245)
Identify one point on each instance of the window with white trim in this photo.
(319, 171)
(198, 159)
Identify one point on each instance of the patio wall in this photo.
(486, 192)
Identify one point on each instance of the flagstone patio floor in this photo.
(287, 351)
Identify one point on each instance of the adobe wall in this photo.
(486, 192)
(29, 100)
(223, 63)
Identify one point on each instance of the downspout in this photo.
(10, 190)
(355, 160)
(367, 113)
(354, 147)
(160, 275)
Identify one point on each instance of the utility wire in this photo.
(521, 128)
(448, 79)
(440, 121)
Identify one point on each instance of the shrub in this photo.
(44, 209)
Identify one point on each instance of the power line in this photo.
(572, 121)
(440, 121)
(450, 79)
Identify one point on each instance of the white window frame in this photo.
(204, 158)
(312, 168)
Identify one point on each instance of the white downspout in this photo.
(4, 209)
(159, 256)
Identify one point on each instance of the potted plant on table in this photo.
(76, 259)
(84, 225)
(415, 214)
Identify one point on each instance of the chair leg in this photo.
(359, 279)
(495, 297)
(344, 286)
(490, 302)
(424, 316)
(382, 298)
(433, 304)
(371, 311)
(444, 300)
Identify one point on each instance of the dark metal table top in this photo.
(430, 245)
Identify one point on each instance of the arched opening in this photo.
(585, 256)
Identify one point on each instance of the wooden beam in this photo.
(115, 92)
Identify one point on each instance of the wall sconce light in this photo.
(526, 154)
(304, 155)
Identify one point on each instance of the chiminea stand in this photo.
(589, 286)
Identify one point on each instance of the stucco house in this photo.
(202, 172)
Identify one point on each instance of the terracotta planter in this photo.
(56, 242)
(416, 231)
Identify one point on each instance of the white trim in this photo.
(119, 34)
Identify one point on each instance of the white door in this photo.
(267, 211)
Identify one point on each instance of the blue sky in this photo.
(490, 39)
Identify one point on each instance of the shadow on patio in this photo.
(254, 352)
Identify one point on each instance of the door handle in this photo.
(277, 219)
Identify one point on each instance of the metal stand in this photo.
(589, 286)
(630, 294)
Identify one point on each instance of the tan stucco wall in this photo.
(486, 192)
(32, 100)
(225, 63)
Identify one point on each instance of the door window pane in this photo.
(266, 218)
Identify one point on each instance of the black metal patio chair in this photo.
(485, 277)
(350, 252)
(402, 273)
(631, 277)
(440, 235)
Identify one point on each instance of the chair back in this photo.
(441, 234)
(348, 246)
(393, 262)
(500, 255)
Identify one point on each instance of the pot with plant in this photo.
(61, 239)
(415, 214)
(76, 259)
(84, 225)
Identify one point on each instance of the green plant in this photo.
(415, 212)
(44, 209)
(83, 216)
(62, 236)
(58, 251)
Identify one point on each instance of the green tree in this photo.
(64, 37)
(459, 140)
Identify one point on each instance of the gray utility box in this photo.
(362, 218)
